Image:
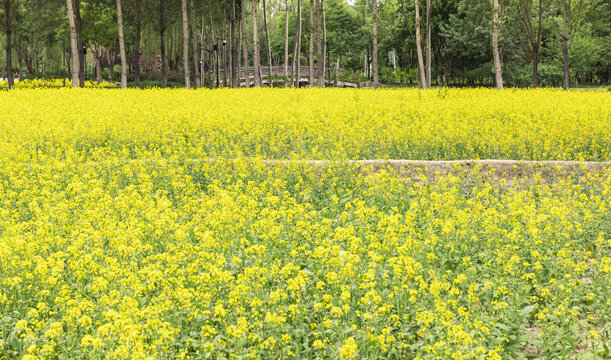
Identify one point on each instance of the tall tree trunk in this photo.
(535, 40)
(8, 23)
(225, 62)
(97, 57)
(269, 47)
(421, 77)
(233, 48)
(320, 53)
(28, 60)
(204, 74)
(297, 58)
(535, 61)
(312, 39)
(245, 45)
(498, 72)
(256, 48)
(286, 43)
(321, 82)
(3, 68)
(73, 44)
(428, 42)
(19, 61)
(565, 61)
(239, 53)
(111, 64)
(137, 42)
(565, 39)
(376, 79)
(185, 44)
(216, 52)
(80, 42)
(198, 81)
(122, 46)
(164, 61)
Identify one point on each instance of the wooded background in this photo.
(367, 42)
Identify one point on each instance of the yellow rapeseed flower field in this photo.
(145, 225)
(310, 124)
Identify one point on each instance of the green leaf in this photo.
(527, 310)
(587, 355)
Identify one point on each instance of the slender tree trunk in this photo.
(8, 17)
(498, 73)
(137, 42)
(565, 60)
(312, 39)
(19, 61)
(535, 40)
(185, 44)
(98, 64)
(110, 64)
(245, 45)
(565, 39)
(198, 81)
(421, 77)
(202, 46)
(321, 82)
(286, 40)
(320, 53)
(73, 45)
(164, 61)
(122, 46)
(296, 61)
(376, 79)
(286, 43)
(269, 47)
(233, 48)
(428, 42)
(239, 53)
(216, 53)
(80, 42)
(256, 48)
(225, 62)
(535, 77)
(3, 69)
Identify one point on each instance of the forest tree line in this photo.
(317, 42)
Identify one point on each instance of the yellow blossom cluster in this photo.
(310, 123)
(157, 232)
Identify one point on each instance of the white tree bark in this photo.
(421, 77)
(311, 52)
(73, 44)
(286, 42)
(256, 47)
(297, 58)
(320, 53)
(185, 44)
(498, 72)
(376, 79)
(245, 45)
(198, 82)
(122, 46)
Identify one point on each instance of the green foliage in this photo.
(460, 36)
